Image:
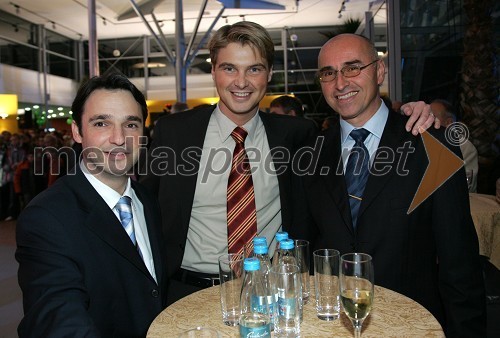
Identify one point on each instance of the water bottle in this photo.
(256, 241)
(260, 240)
(261, 253)
(280, 235)
(254, 319)
(285, 253)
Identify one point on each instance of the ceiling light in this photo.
(36, 106)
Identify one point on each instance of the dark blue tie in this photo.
(356, 171)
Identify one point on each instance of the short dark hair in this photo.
(288, 103)
(246, 33)
(109, 82)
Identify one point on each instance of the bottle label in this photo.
(286, 307)
(255, 332)
(270, 301)
(259, 304)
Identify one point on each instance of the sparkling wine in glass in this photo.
(356, 288)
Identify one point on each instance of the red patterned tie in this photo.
(241, 212)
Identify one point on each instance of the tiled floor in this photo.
(11, 310)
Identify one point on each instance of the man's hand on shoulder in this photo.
(421, 117)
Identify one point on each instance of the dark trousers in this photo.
(178, 290)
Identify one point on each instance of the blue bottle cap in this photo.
(287, 244)
(281, 235)
(260, 249)
(251, 264)
(258, 240)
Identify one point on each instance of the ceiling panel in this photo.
(69, 17)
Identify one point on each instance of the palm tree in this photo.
(479, 84)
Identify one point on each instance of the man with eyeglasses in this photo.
(430, 255)
(190, 167)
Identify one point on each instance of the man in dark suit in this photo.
(190, 159)
(430, 255)
(90, 248)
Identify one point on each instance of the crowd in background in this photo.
(31, 161)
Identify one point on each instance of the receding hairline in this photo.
(367, 43)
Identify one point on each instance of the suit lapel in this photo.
(102, 221)
(153, 225)
(277, 139)
(393, 137)
(195, 140)
(335, 182)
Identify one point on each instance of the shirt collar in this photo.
(109, 195)
(226, 126)
(375, 125)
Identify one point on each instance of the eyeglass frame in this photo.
(342, 70)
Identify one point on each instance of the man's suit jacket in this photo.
(174, 160)
(430, 255)
(80, 273)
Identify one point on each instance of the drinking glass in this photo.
(326, 282)
(286, 287)
(303, 261)
(469, 174)
(231, 279)
(356, 288)
(200, 332)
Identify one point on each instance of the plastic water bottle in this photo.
(280, 235)
(285, 253)
(256, 241)
(254, 319)
(261, 253)
(260, 240)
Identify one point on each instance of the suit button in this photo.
(155, 293)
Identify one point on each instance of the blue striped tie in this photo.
(356, 171)
(124, 207)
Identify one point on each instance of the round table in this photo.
(392, 315)
(485, 212)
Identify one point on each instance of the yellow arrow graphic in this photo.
(443, 163)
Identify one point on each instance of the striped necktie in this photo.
(241, 211)
(357, 171)
(124, 208)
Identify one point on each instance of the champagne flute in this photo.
(356, 288)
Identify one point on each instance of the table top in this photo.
(485, 212)
(392, 315)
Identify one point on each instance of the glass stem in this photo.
(357, 324)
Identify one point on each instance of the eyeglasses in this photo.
(328, 75)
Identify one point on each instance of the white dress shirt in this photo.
(207, 234)
(111, 197)
(375, 125)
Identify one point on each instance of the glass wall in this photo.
(21, 45)
(431, 48)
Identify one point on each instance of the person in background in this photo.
(287, 105)
(431, 254)
(190, 160)
(24, 180)
(14, 154)
(442, 109)
(90, 249)
(179, 107)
